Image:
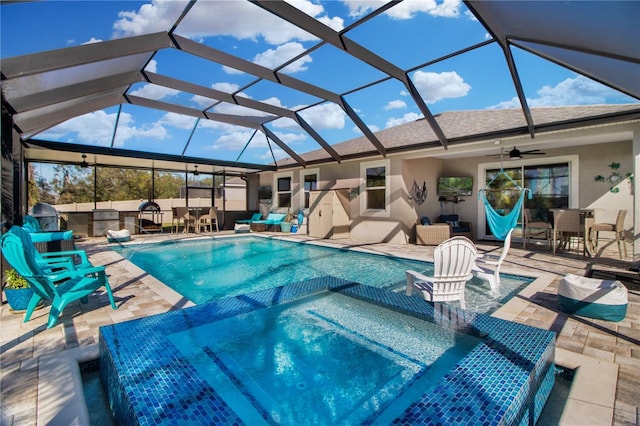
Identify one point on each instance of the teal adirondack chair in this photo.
(52, 261)
(61, 287)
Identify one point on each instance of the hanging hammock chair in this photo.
(500, 225)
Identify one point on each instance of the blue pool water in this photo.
(210, 269)
(327, 359)
(325, 351)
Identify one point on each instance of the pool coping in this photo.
(585, 396)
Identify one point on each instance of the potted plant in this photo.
(285, 225)
(17, 290)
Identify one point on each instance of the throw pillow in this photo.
(425, 220)
(454, 223)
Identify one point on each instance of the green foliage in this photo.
(168, 185)
(74, 184)
(14, 280)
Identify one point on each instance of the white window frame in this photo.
(276, 193)
(303, 191)
(386, 212)
(574, 180)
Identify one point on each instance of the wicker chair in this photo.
(432, 235)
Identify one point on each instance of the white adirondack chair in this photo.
(487, 266)
(453, 261)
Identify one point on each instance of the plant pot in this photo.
(285, 226)
(18, 298)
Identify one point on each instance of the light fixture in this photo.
(84, 163)
(514, 154)
(196, 172)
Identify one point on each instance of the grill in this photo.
(46, 215)
(149, 217)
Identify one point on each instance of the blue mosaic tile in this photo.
(506, 379)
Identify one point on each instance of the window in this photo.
(283, 192)
(553, 184)
(375, 195)
(309, 178)
(549, 185)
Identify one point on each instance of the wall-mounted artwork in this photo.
(614, 178)
(419, 193)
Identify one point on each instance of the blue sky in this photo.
(409, 35)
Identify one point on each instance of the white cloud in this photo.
(358, 8)
(272, 58)
(286, 123)
(159, 15)
(96, 128)
(434, 87)
(407, 118)
(278, 153)
(324, 116)
(203, 101)
(397, 104)
(371, 127)
(407, 8)
(225, 87)
(179, 121)
(235, 141)
(155, 131)
(211, 18)
(92, 40)
(152, 66)
(152, 91)
(291, 138)
(572, 91)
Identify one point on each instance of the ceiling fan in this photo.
(516, 154)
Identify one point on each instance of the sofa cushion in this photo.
(446, 218)
(460, 229)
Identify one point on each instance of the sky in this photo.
(409, 35)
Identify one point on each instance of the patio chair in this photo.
(537, 228)
(187, 218)
(208, 220)
(61, 288)
(52, 261)
(453, 261)
(487, 266)
(617, 228)
(175, 220)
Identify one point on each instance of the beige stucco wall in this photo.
(397, 226)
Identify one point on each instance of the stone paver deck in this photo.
(606, 389)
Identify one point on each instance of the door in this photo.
(320, 213)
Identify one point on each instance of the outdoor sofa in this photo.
(271, 223)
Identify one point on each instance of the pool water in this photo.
(327, 359)
(210, 269)
(325, 351)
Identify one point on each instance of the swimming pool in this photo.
(209, 269)
(251, 358)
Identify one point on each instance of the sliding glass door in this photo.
(549, 184)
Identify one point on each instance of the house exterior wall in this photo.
(397, 225)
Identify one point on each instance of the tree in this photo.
(167, 185)
(73, 184)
